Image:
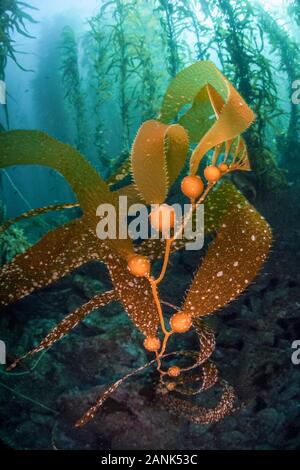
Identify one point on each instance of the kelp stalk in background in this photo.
(13, 18)
(72, 81)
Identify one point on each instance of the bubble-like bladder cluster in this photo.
(241, 236)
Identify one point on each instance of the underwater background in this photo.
(89, 73)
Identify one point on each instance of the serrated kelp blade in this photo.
(58, 253)
(208, 378)
(199, 118)
(234, 118)
(158, 155)
(193, 87)
(233, 259)
(216, 100)
(187, 84)
(199, 414)
(148, 162)
(135, 294)
(36, 212)
(38, 148)
(73, 319)
(177, 146)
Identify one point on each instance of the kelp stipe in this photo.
(72, 82)
(96, 53)
(287, 50)
(241, 242)
(13, 17)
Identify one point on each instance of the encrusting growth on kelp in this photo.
(242, 237)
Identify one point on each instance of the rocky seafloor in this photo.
(38, 408)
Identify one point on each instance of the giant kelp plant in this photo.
(294, 10)
(289, 59)
(96, 50)
(241, 236)
(73, 83)
(173, 24)
(50, 109)
(121, 59)
(189, 21)
(13, 18)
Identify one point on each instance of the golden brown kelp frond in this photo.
(92, 411)
(187, 88)
(158, 155)
(207, 340)
(38, 148)
(187, 85)
(216, 115)
(198, 119)
(234, 118)
(135, 294)
(233, 259)
(236, 154)
(58, 253)
(208, 377)
(37, 212)
(199, 414)
(68, 323)
(207, 343)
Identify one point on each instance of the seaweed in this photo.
(72, 82)
(96, 47)
(289, 55)
(13, 18)
(50, 110)
(237, 231)
(148, 96)
(173, 23)
(187, 11)
(294, 10)
(239, 38)
(121, 59)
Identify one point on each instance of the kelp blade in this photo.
(235, 256)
